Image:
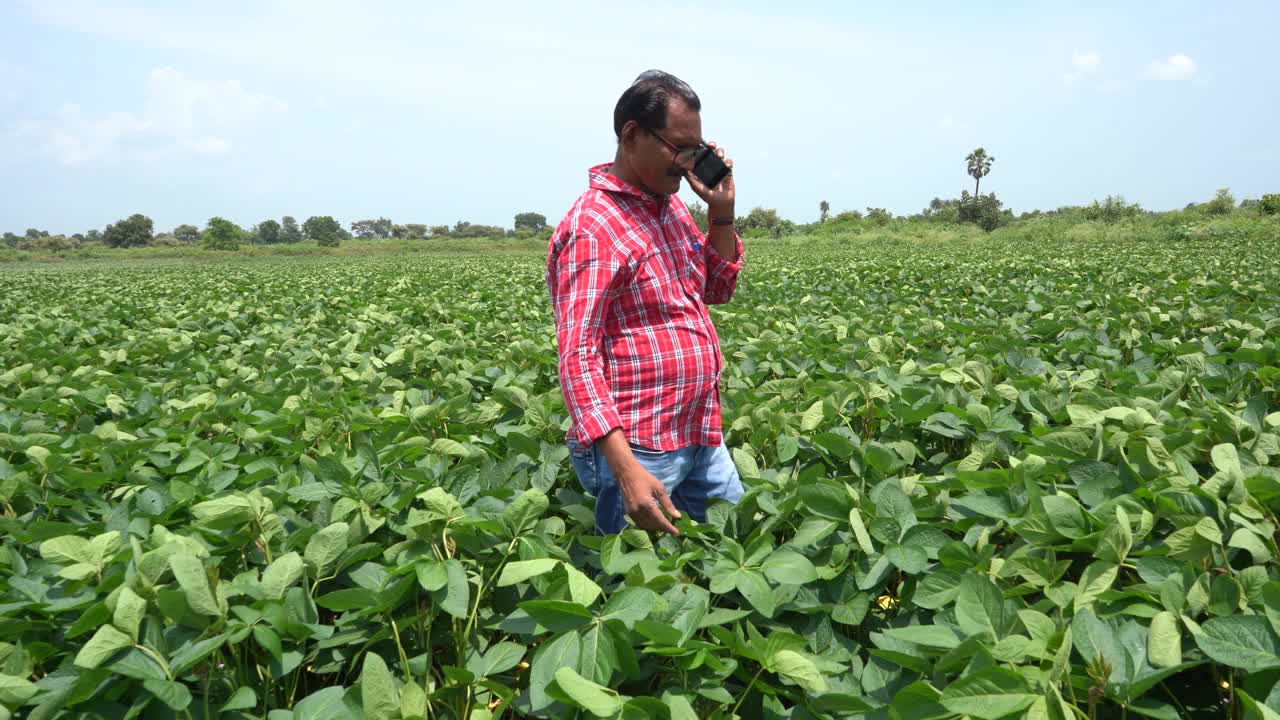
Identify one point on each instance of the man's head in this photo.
(658, 126)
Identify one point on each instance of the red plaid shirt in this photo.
(630, 279)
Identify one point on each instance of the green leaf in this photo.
(1066, 516)
(497, 659)
(15, 691)
(1116, 539)
(597, 700)
(990, 694)
(811, 418)
(787, 447)
(525, 510)
(104, 643)
(189, 571)
(67, 549)
(521, 570)
(582, 589)
(679, 707)
(331, 703)
(1271, 604)
(1094, 639)
(980, 606)
(130, 609)
(446, 446)
(457, 592)
(937, 636)
(378, 694)
(1227, 461)
(1097, 579)
(910, 559)
(826, 498)
(269, 641)
(1246, 539)
(173, 694)
(938, 588)
(745, 463)
(413, 702)
(348, 599)
(630, 605)
(557, 615)
(798, 668)
(1238, 641)
(561, 651)
(242, 699)
(756, 590)
(280, 574)
(687, 606)
(1254, 710)
(432, 574)
(326, 546)
(1164, 640)
(860, 531)
(785, 565)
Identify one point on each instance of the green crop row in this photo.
(986, 479)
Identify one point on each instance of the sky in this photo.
(435, 112)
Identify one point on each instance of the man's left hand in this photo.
(719, 198)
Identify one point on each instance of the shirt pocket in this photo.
(653, 277)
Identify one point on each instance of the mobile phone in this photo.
(709, 168)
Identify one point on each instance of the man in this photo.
(630, 277)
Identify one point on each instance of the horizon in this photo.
(440, 114)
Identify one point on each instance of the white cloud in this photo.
(946, 122)
(180, 113)
(1174, 67)
(1082, 65)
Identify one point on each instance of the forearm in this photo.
(720, 234)
(617, 452)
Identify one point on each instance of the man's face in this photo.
(654, 160)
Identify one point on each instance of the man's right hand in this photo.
(645, 500)
(644, 497)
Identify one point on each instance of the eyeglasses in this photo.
(683, 155)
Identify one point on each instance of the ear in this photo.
(630, 133)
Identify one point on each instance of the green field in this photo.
(1011, 475)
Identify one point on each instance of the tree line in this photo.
(983, 210)
(218, 233)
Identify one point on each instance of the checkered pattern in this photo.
(630, 278)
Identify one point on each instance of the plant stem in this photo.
(404, 659)
(734, 712)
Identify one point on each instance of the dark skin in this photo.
(648, 163)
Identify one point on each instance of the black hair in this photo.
(646, 100)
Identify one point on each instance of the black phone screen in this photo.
(709, 168)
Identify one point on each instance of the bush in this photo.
(879, 216)
(323, 229)
(168, 240)
(761, 218)
(1269, 204)
(1221, 204)
(222, 234)
(1113, 209)
(983, 210)
(47, 244)
(134, 231)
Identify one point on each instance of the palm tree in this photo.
(825, 208)
(979, 166)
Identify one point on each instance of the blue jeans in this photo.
(692, 476)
